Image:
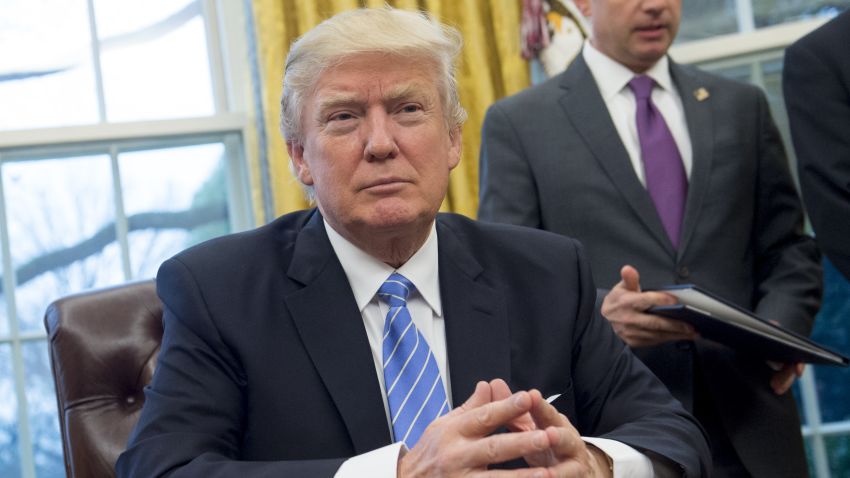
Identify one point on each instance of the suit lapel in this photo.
(331, 328)
(477, 338)
(588, 114)
(696, 101)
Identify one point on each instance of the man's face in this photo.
(636, 33)
(376, 147)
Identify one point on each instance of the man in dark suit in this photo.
(816, 83)
(277, 359)
(571, 156)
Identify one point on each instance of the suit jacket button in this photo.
(684, 273)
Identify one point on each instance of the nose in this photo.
(380, 141)
(654, 6)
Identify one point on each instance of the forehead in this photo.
(377, 75)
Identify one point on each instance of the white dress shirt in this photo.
(613, 78)
(365, 274)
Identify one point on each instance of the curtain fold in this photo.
(490, 67)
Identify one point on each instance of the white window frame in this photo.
(230, 69)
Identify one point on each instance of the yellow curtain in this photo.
(490, 68)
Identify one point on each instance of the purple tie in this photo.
(665, 172)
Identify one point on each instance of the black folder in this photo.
(718, 320)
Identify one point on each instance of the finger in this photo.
(643, 338)
(782, 380)
(545, 414)
(503, 447)
(566, 443)
(620, 303)
(480, 396)
(521, 473)
(630, 277)
(501, 391)
(655, 325)
(486, 419)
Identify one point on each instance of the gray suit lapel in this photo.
(477, 339)
(588, 114)
(331, 328)
(697, 103)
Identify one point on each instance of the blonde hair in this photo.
(369, 30)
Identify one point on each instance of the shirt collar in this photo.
(612, 76)
(366, 273)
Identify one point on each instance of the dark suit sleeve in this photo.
(618, 398)
(819, 115)
(788, 272)
(190, 424)
(507, 187)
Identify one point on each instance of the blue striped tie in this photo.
(415, 390)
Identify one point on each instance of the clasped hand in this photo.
(464, 443)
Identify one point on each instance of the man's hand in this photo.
(784, 377)
(568, 454)
(463, 443)
(625, 308)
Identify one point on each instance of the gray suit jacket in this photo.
(551, 158)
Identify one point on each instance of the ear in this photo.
(299, 165)
(584, 7)
(456, 139)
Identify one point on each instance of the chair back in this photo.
(103, 347)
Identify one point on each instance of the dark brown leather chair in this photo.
(103, 348)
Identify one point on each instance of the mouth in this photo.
(655, 29)
(385, 184)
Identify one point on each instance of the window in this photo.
(709, 18)
(120, 145)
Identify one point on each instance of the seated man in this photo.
(277, 359)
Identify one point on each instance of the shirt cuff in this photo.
(627, 462)
(379, 463)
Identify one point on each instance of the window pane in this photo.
(43, 411)
(707, 18)
(46, 74)
(61, 227)
(154, 59)
(173, 198)
(838, 449)
(10, 462)
(4, 316)
(773, 12)
(833, 330)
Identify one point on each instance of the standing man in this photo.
(373, 337)
(816, 83)
(680, 175)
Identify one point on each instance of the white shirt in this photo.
(365, 274)
(613, 78)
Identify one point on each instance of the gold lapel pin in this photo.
(701, 94)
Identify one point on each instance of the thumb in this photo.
(631, 278)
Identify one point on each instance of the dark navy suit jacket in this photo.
(266, 370)
(816, 83)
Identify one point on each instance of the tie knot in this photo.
(641, 86)
(395, 289)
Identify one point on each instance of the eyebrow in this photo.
(393, 95)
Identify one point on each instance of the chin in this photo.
(398, 216)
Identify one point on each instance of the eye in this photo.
(341, 116)
(410, 108)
